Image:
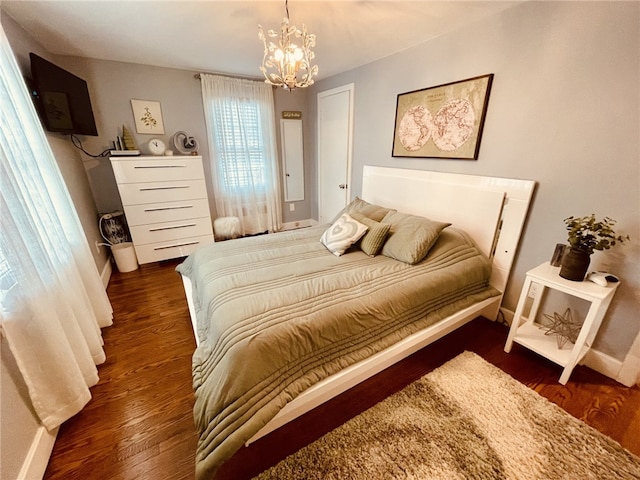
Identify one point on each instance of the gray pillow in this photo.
(369, 210)
(410, 237)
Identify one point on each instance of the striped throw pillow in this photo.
(374, 239)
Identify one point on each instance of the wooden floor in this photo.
(139, 424)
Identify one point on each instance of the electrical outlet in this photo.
(533, 290)
(292, 207)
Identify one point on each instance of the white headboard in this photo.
(491, 209)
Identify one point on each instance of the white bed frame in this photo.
(491, 209)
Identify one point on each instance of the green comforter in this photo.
(277, 313)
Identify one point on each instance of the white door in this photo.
(335, 134)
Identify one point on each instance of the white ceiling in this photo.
(221, 36)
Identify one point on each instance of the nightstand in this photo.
(532, 336)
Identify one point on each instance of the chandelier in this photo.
(286, 64)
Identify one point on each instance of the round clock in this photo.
(156, 146)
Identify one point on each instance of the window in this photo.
(240, 122)
(241, 152)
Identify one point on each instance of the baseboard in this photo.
(299, 224)
(594, 359)
(629, 374)
(508, 316)
(105, 274)
(604, 364)
(38, 456)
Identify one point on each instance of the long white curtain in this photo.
(240, 122)
(53, 301)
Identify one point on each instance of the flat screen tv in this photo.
(62, 99)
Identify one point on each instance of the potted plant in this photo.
(586, 234)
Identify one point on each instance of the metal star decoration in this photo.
(563, 328)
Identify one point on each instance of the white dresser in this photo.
(165, 202)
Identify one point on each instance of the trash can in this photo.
(125, 256)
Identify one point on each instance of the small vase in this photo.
(575, 264)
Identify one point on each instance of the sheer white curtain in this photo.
(241, 130)
(53, 301)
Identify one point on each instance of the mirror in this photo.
(292, 159)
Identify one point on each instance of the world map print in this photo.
(444, 121)
(450, 128)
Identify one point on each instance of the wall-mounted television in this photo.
(62, 99)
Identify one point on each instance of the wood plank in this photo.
(139, 423)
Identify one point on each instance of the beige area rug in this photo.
(465, 420)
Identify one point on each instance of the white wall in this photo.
(564, 111)
(19, 422)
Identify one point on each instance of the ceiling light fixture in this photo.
(286, 64)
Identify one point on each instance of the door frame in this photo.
(350, 88)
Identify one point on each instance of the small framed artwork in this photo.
(558, 253)
(148, 116)
(444, 121)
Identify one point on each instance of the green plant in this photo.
(588, 234)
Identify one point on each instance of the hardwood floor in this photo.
(139, 424)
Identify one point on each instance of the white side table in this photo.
(532, 336)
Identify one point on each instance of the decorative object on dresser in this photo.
(166, 204)
(156, 146)
(184, 143)
(147, 115)
(587, 234)
(127, 139)
(445, 121)
(526, 332)
(124, 145)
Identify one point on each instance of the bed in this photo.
(282, 324)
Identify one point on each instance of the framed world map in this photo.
(444, 121)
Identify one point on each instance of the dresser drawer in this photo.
(166, 211)
(154, 192)
(157, 169)
(166, 231)
(153, 252)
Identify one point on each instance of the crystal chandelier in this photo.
(286, 64)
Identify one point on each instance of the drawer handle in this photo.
(159, 166)
(178, 207)
(173, 187)
(159, 229)
(176, 245)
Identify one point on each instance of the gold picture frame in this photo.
(147, 115)
(445, 121)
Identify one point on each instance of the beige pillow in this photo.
(411, 236)
(374, 239)
(343, 233)
(369, 210)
